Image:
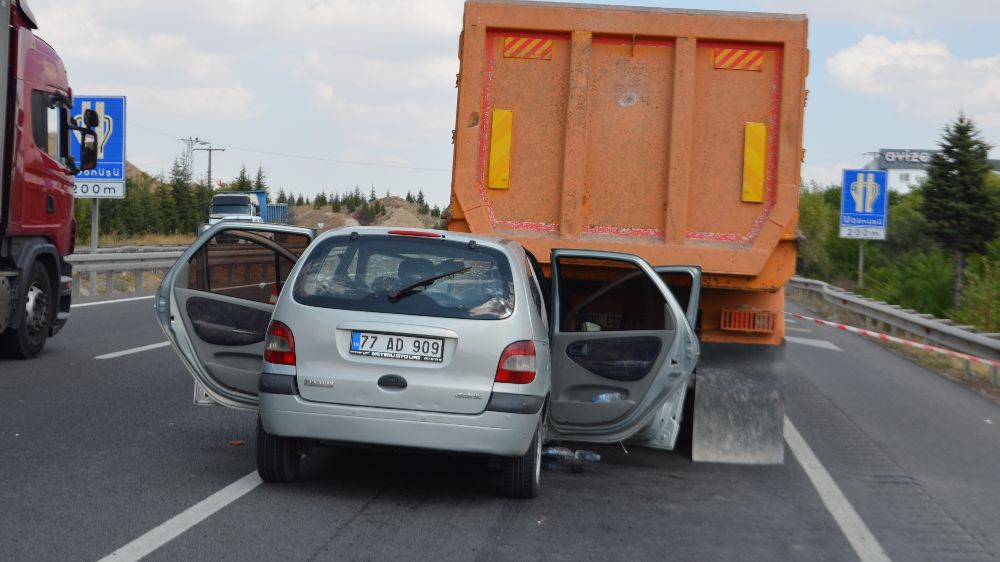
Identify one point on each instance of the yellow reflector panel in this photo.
(503, 121)
(754, 158)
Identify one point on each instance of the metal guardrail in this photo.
(136, 263)
(904, 323)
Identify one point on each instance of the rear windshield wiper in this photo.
(409, 289)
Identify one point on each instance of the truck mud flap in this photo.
(739, 405)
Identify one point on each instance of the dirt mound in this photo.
(398, 213)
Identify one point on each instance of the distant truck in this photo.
(248, 206)
(37, 228)
(675, 135)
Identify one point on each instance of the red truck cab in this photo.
(37, 229)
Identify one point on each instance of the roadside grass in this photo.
(115, 240)
(971, 375)
(122, 283)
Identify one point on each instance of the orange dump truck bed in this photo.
(672, 134)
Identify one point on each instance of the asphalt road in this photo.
(94, 454)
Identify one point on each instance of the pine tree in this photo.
(435, 211)
(300, 201)
(409, 196)
(372, 196)
(259, 184)
(320, 201)
(282, 198)
(960, 213)
(420, 197)
(242, 181)
(335, 203)
(180, 189)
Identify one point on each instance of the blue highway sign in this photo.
(107, 180)
(864, 204)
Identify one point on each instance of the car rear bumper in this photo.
(494, 433)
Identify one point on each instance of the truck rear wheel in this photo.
(29, 328)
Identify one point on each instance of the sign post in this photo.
(107, 179)
(864, 209)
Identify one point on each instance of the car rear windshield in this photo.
(393, 274)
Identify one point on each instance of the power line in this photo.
(336, 161)
(304, 157)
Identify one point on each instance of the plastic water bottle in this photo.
(608, 397)
(587, 456)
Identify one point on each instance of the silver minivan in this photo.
(430, 339)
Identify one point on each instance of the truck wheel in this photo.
(278, 458)
(26, 335)
(521, 475)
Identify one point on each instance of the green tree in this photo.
(981, 293)
(282, 197)
(372, 196)
(409, 196)
(961, 214)
(436, 211)
(335, 203)
(420, 197)
(259, 183)
(320, 201)
(300, 201)
(242, 181)
(815, 227)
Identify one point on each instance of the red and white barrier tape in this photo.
(893, 339)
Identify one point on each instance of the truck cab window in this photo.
(48, 125)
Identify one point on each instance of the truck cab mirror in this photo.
(90, 119)
(88, 149)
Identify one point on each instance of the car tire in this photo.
(26, 335)
(522, 474)
(278, 458)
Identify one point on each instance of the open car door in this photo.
(623, 348)
(215, 304)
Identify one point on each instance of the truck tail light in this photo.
(517, 363)
(279, 345)
(748, 320)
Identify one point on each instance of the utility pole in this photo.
(210, 150)
(189, 151)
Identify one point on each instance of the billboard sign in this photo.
(864, 204)
(107, 180)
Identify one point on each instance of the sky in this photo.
(328, 94)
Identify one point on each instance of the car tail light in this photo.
(279, 346)
(416, 233)
(517, 363)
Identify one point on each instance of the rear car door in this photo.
(215, 304)
(623, 348)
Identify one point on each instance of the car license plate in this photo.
(397, 346)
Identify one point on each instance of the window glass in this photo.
(608, 296)
(536, 293)
(48, 126)
(246, 264)
(54, 118)
(378, 273)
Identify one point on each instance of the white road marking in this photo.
(822, 344)
(185, 520)
(862, 540)
(133, 350)
(83, 304)
(804, 330)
